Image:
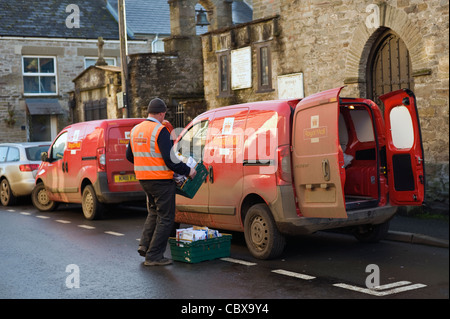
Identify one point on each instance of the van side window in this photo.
(57, 151)
(193, 141)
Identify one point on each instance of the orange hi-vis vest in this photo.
(148, 161)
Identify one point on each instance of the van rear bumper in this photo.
(105, 196)
(289, 223)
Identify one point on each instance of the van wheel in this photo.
(6, 196)
(40, 200)
(372, 233)
(261, 234)
(92, 208)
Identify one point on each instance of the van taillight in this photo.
(101, 158)
(284, 175)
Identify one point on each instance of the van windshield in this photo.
(34, 153)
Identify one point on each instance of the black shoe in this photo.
(142, 250)
(161, 262)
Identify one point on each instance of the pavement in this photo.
(416, 230)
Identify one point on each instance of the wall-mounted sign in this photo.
(241, 68)
(290, 86)
(120, 101)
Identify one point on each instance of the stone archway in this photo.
(389, 67)
(364, 40)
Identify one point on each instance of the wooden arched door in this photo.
(389, 67)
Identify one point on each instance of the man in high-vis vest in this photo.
(150, 150)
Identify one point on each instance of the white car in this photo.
(18, 167)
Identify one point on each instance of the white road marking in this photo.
(25, 213)
(376, 292)
(293, 274)
(11, 210)
(114, 233)
(63, 221)
(86, 226)
(392, 285)
(42, 216)
(237, 261)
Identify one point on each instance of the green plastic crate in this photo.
(191, 186)
(200, 250)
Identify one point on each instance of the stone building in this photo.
(95, 94)
(44, 45)
(297, 48)
(176, 75)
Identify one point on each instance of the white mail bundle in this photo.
(196, 233)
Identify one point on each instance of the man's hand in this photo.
(192, 173)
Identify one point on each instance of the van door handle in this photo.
(63, 167)
(326, 169)
(211, 174)
(67, 167)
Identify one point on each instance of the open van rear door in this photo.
(315, 156)
(404, 150)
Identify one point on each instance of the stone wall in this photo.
(171, 77)
(330, 43)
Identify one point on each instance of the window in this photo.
(3, 151)
(264, 61)
(39, 75)
(57, 150)
(88, 61)
(13, 155)
(224, 74)
(193, 141)
(34, 153)
(402, 128)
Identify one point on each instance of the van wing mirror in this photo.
(44, 156)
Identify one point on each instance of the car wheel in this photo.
(261, 234)
(372, 233)
(6, 196)
(92, 208)
(40, 199)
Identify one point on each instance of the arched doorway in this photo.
(389, 67)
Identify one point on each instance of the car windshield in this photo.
(34, 153)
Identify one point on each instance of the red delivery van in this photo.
(86, 164)
(291, 167)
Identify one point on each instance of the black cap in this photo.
(156, 106)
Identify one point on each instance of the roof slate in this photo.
(146, 16)
(47, 18)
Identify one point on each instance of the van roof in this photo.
(105, 122)
(272, 104)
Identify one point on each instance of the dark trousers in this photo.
(160, 218)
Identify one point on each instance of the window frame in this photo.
(262, 88)
(40, 74)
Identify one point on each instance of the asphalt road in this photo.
(60, 255)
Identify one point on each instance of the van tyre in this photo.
(261, 234)
(40, 199)
(92, 208)
(7, 197)
(372, 233)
